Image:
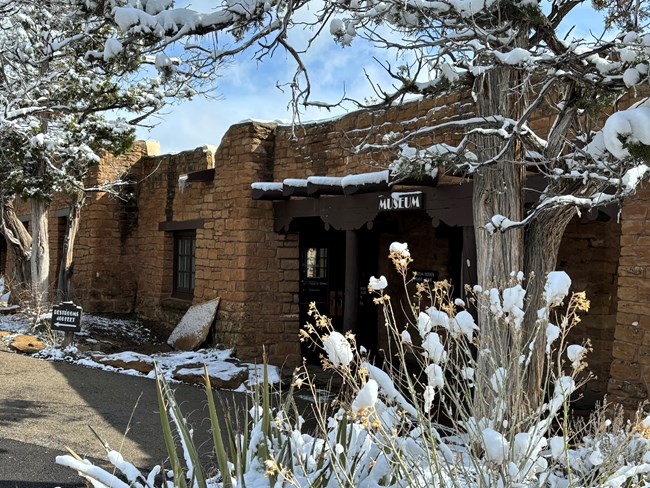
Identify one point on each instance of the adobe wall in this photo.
(238, 256)
(124, 258)
(147, 250)
(254, 269)
(630, 371)
(589, 254)
(327, 148)
(102, 280)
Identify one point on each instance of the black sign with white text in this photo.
(66, 316)
(400, 201)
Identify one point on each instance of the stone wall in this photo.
(238, 256)
(102, 280)
(589, 254)
(253, 269)
(630, 371)
(328, 148)
(148, 250)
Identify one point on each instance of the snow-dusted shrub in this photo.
(413, 422)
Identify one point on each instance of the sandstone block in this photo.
(223, 375)
(127, 360)
(26, 344)
(193, 329)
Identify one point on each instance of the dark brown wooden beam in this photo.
(293, 187)
(324, 185)
(423, 181)
(267, 191)
(174, 226)
(351, 296)
(450, 204)
(202, 175)
(365, 183)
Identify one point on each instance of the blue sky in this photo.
(247, 89)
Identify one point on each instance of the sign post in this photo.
(66, 316)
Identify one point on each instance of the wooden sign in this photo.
(66, 316)
(411, 200)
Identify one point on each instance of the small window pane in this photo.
(315, 262)
(184, 264)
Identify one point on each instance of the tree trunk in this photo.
(19, 242)
(543, 239)
(40, 253)
(498, 190)
(67, 262)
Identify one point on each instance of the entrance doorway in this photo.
(323, 281)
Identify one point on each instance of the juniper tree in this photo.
(68, 90)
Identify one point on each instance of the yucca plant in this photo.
(411, 423)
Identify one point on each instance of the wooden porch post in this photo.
(469, 273)
(351, 302)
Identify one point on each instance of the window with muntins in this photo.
(184, 264)
(314, 262)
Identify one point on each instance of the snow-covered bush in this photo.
(413, 422)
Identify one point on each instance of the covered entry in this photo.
(335, 267)
(345, 231)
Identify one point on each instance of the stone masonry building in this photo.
(193, 228)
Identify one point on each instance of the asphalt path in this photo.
(46, 406)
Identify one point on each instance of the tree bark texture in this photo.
(543, 238)
(67, 255)
(40, 262)
(19, 243)
(498, 189)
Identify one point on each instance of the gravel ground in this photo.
(50, 405)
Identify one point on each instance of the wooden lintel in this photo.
(412, 181)
(314, 189)
(294, 191)
(174, 226)
(449, 204)
(202, 175)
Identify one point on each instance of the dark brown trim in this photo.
(315, 190)
(184, 225)
(259, 194)
(451, 204)
(202, 175)
(299, 189)
(351, 296)
(367, 188)
(423, 181)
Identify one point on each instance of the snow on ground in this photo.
(99, 332)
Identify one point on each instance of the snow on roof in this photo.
(366, 178)
(345, 181)
(267, 186)
(295, 182)
(325, 180)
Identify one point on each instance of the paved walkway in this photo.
(45, 406)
